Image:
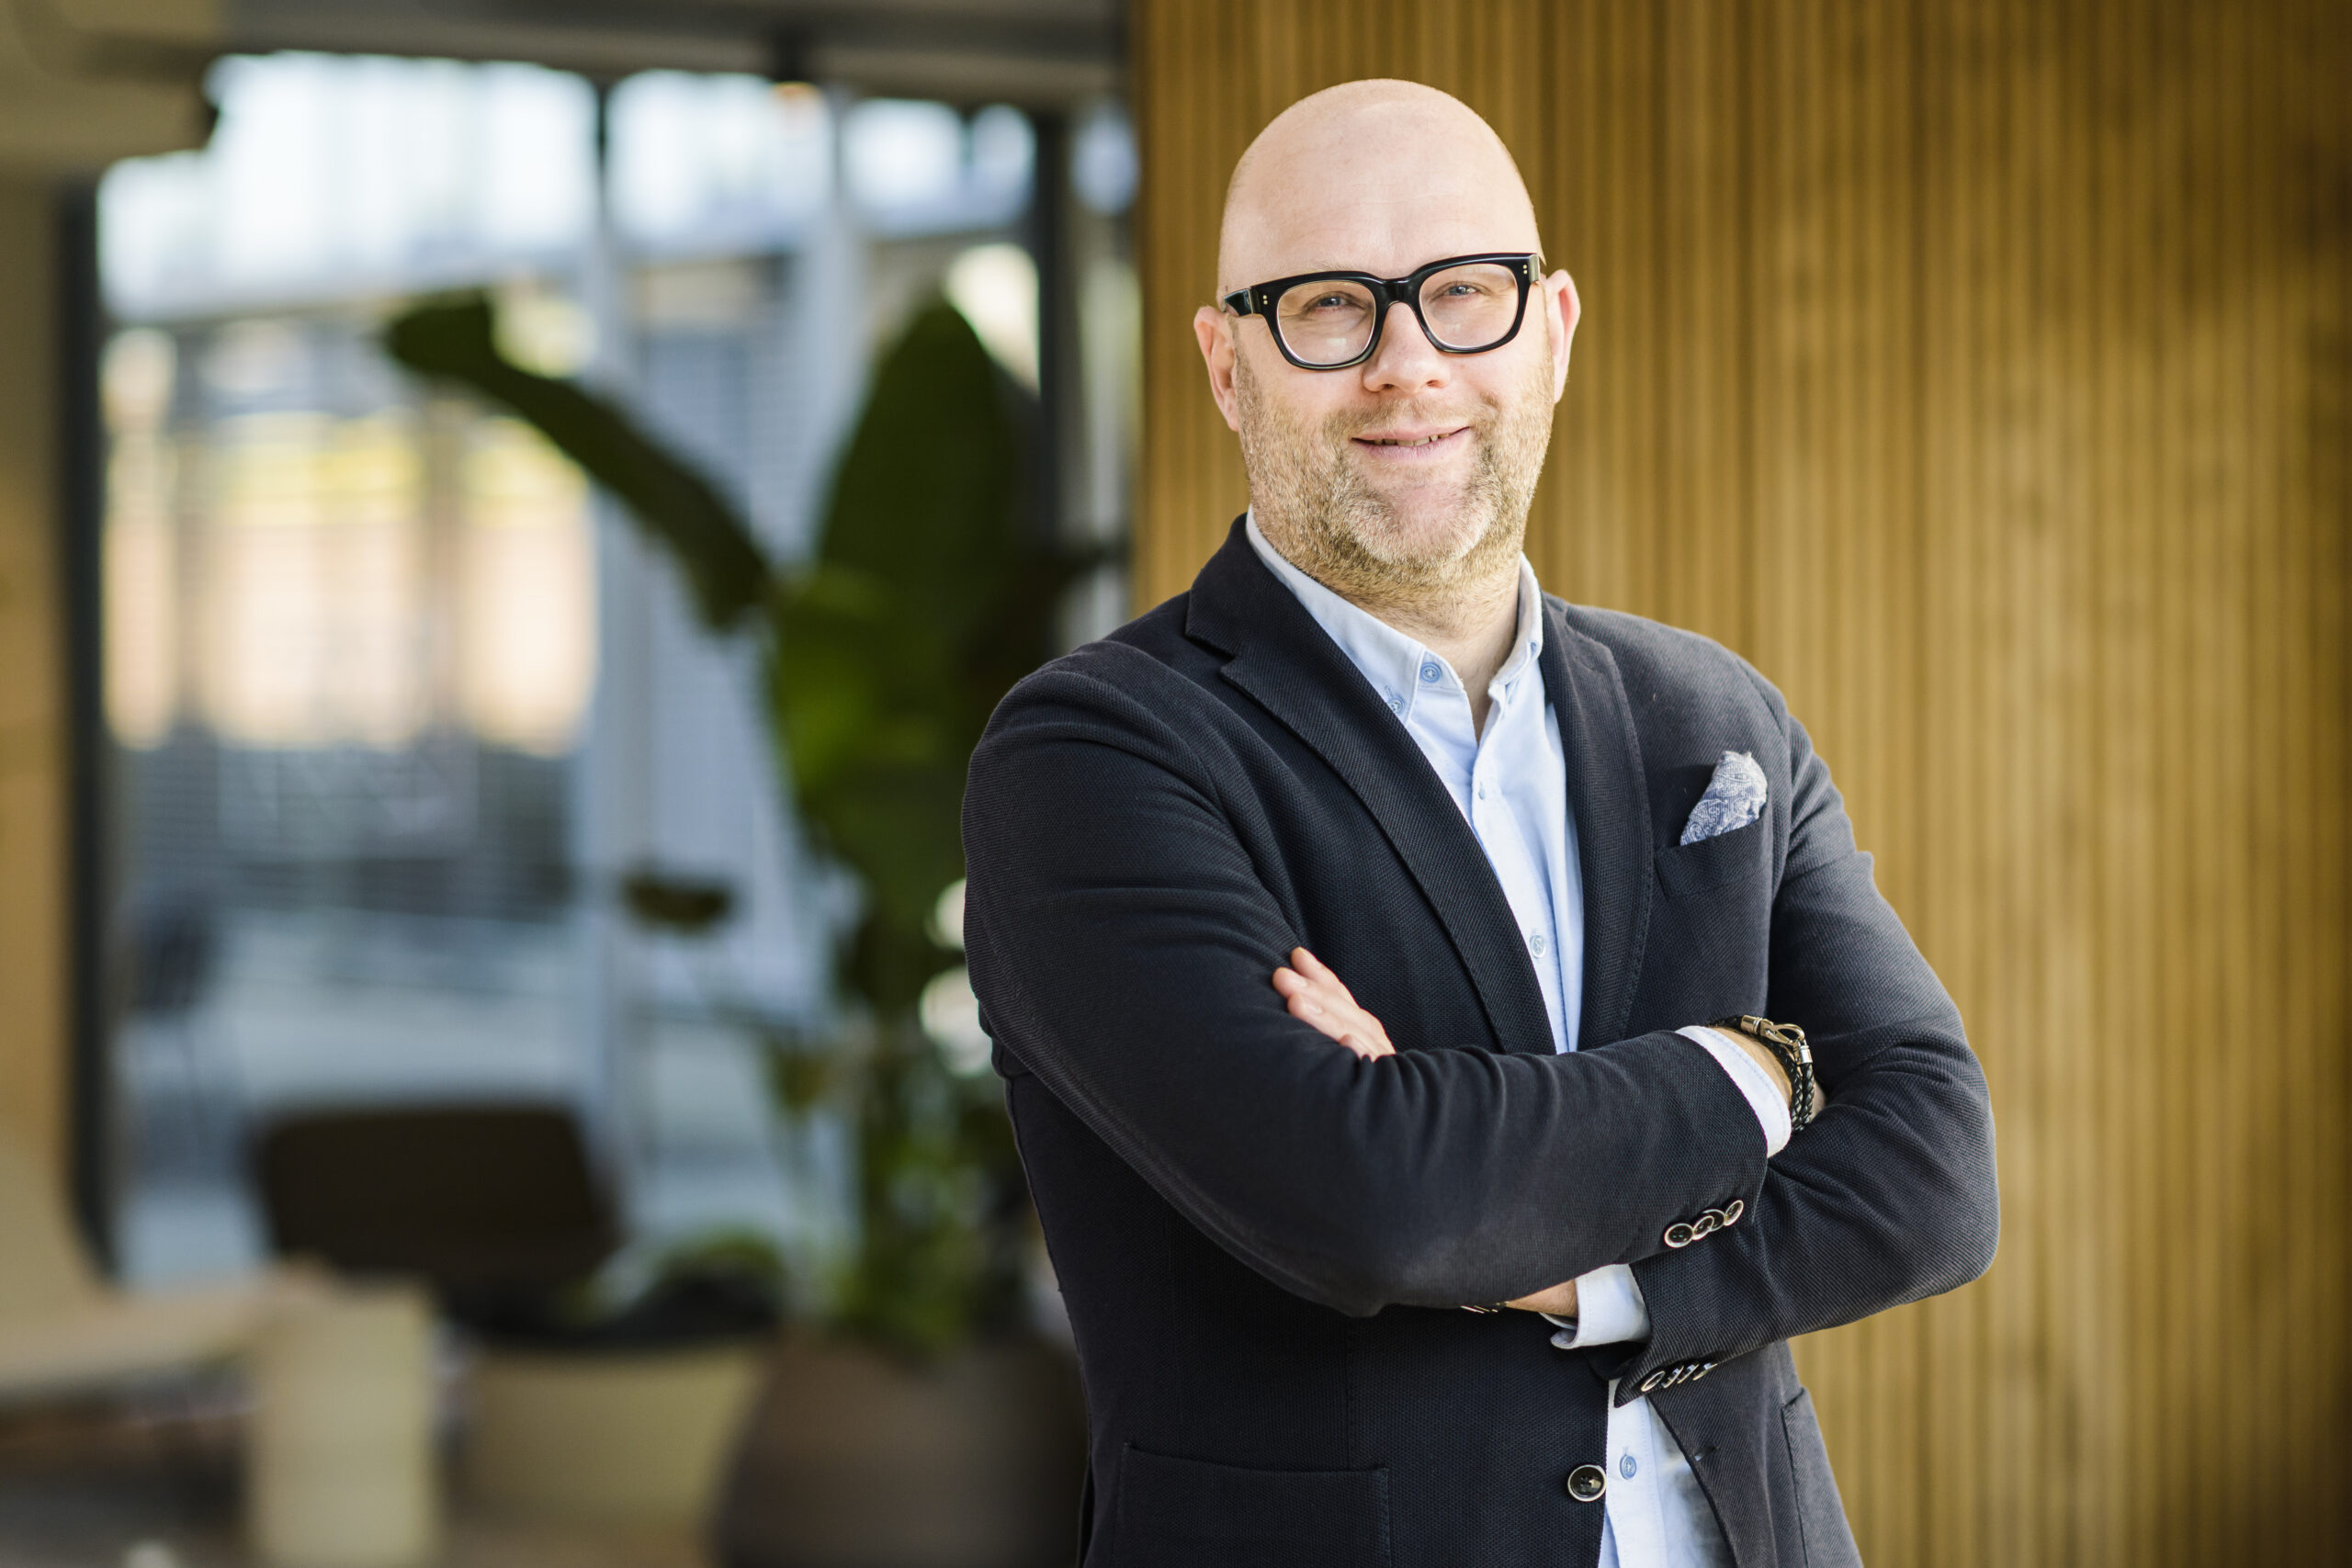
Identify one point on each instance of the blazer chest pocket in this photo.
(1685, 869)
(1187, 1513)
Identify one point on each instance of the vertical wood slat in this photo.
(1983, 369)
(33, 801)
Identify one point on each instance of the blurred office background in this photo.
(392, 713)
(1980, 371)
(347, 711)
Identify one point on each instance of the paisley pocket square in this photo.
(1734, 797)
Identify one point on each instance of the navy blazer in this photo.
(1264, 1241)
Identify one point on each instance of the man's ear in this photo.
(1213, 328)
(1563, 311)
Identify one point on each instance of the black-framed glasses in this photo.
(1329, 321)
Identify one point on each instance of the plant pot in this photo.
(606, 1436)
(852, 1460)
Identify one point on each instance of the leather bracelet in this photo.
(1787, 1044)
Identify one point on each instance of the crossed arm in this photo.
(1432, 1179)
(1318, 997)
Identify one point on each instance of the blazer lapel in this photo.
(1285, 663)
(1609, 801)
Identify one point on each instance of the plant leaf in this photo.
(727, 571)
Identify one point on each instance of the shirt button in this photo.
(1396, 705)
(1429, 672)
(1626, 1467)
(1537, 943)
(1482, 792)
(1586, 1483)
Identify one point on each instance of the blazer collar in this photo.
(1284, 661)
(1609, 800)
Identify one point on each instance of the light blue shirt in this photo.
(1511, 785)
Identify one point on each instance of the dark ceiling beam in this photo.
(1044, 53)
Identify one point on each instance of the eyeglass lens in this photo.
(1468, 308)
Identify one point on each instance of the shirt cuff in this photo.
(1610, 1309)
(1764, 1097)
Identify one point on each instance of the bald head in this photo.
(1378, 176)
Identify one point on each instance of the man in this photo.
(1566, 859)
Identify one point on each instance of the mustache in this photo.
(1408, 418)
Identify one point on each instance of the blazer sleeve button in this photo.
(1679, 1234)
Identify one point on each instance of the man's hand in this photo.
(1560, 1301)
(1317, 996)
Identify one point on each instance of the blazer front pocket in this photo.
(1821, 1516)
(1685, 869)
(1189, 1513)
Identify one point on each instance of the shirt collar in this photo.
(1386, 657)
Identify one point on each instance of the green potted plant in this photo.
(930, 594)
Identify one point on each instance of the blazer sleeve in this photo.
(1123, 947)
(1890, 1195)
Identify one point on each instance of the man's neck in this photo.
(1470, 620)
(1471, 628)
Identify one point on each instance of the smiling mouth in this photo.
(1409, 440)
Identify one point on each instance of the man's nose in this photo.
(1405, 358)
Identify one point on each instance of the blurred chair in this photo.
(493, 1204)
(64, 1332)
(341, 1443)
(499, 1207)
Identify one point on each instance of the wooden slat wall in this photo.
(1982, 369)
(32, 752)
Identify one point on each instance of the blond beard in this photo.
(1312, 504)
